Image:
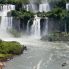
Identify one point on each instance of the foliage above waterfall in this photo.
(21, 14)
(27, 1)
(61, 4)
(13, 1)
(59, 11)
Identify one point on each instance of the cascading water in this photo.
(6, 22)
(35, 28)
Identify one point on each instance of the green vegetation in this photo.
(59, 11)
(8, 49)
(13, 1)
(5, 57)
(25, 1)
(22, 14)
(56, 13)
(61, 4)
(58, 36)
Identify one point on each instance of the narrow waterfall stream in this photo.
(35, 28)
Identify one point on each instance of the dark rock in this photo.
(64, 64)
(25, 48)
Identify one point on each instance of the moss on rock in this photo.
(9, 49)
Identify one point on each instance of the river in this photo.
(40, 55)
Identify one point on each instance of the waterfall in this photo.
(32, 7)
(6, 22)
(28, 28)
(35, 28)
(67, 6)
(44, 7)
(27, 7)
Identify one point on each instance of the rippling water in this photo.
(41, 55)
